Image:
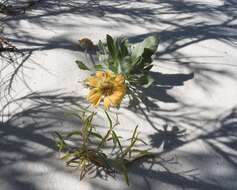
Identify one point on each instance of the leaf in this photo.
(119, 164)
(134, 133)
(98, 67)
(132, 143)
(116, 138)
(148, 67)
(87, 129)
(96, 135)
(72, 160)
(142, 141)
(150, 43)
(110, 44)
(103, 141)
(66, 156)
(74, 133)
(101, 47)
(61, 144)
(125, 173)
(124, 47)
(147, 81)
(81, 65)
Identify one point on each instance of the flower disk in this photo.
(106, 86)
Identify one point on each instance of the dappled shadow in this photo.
(219, 136)
(193, 23)
(11, 69)
(27, 135)
(158, 90)
(165, 173)
(165, 170)
(187, 24)
(223, 140)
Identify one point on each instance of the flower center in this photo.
(107, 88)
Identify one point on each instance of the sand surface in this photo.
(195, 91)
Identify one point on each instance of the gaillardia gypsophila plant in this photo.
(121, 69)
(91, 153)
(132, 61)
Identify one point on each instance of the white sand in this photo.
(198, 37)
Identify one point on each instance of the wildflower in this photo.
(107, 87)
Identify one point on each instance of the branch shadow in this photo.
(164, 172)
(162, 83)
(27, 135)
(181, 32)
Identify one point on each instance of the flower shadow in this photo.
(168, 138)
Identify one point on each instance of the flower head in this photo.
(107, 87)
(86, 43)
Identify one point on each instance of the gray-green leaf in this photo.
(150, 43)
(81, 65)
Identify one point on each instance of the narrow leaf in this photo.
(81, 65)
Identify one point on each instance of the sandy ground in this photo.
(195, 91)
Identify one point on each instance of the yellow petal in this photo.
(109, 74)
(96, 103)
(120, 90)
(92, 81)
(100, 74)
(104, 83)
(115, 100)
(92, 92)
(119, 79)
(107, 103)
(94, 98)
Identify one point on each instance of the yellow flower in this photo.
(106, 86)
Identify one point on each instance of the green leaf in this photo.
(142, 141)
(61, 143)
(148, 67)
(125, 173)
(81, 65)
(101, 46)
(132, 143)
(74, 133)
(98, 67)
(66, 156)
(150, 43)
(110, 44)
(87, 129)
(119, 164)
(103, 141)
(96, 135)
(147, 81)
(124, 47)
(134, 133)
(116, 138)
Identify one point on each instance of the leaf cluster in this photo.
(90, 154)
(134, 61)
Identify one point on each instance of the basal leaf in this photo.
(81, 65)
